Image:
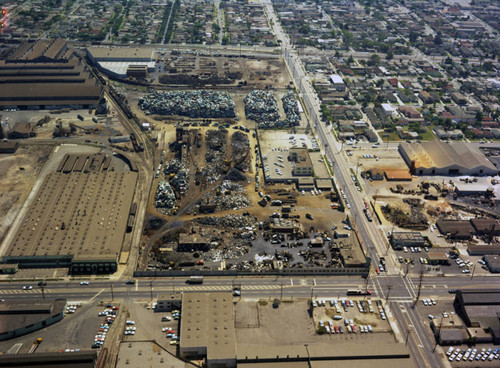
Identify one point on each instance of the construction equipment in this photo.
(35, 345)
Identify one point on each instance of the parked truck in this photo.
(358, 292)
(195, 280)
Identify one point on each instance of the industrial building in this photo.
(455, 229)
(407, 239)
(122, 62)
(207, 328)
(440, 158)
(208, 333)
(20, 317)
(46, 75)
(480, 308)
(89, 205)
(77, 359)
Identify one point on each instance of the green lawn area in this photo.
(428, 135)
(393, 136)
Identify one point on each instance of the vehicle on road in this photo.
(27, 287)
(130, 282)
(195, 280)
(84, 283)
(359, 292)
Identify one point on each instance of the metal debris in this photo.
(195, 104)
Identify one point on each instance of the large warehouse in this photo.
(46, 75)
(89, 203)
(440, 158)
(122, 61)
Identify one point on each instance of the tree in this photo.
(389, 55)
(374, 60)
(350, 60)
(488, 65)
(413, 37)
(448, 60)
(438, 40)
(465, 60)
(479, 115)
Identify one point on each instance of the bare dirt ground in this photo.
(16, 183)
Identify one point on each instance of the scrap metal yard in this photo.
(254, 183)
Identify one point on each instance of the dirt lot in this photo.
(16, 183)
(272, 323)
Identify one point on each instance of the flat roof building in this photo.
(440, 158)
(207, 328)
(123, 61)
(456, 229)
(407, 239)
(480, 308)
(303, 165)
(88, 206)
(20, 317)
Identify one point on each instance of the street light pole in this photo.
(308, 355)
(408, 331)
(112, 296)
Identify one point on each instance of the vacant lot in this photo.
(291, 324)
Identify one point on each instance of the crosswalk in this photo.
(226, 288)
(16, 291)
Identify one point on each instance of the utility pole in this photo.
(439, 332)
(151, 289)
(308, 355)
(407, 269)
(43, 293)
(112, 296)
(473, 270)
(408, 331)
(389, 288)
(420, 280)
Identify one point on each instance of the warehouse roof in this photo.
(125, 53)
(455, 227)
(17, 314)
(49, 49)
(89, 212)
(208, 321)
(439, 154)
(81, 359)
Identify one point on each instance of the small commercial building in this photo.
(407, 239)
(302, 162)
(137, 71)
(324, 184)
(168, 302)
(438, 257)
(483, 249)
(492, 262)
(193, 242)
(207, 329)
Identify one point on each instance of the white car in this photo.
(27, 287)
(84, 283)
